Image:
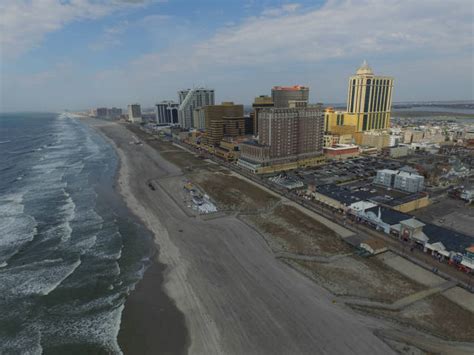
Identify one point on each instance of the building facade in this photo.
(166, 112)
(385, 177)
(288, 138)
(114, 112)
(409, 182)
(260, 102)
(403, 180)
(222, 120)
(369, 99)
(189, 100)
(101, 112)
(199, 118)
(375, 139)
(291, 132)
(282, 95)
(134, 113)
(341, 151)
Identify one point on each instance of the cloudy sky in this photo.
(75, 54)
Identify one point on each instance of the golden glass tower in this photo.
(369, 99)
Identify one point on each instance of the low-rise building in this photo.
(341, 151)
(385, 177)
(404, 180)
(396, 152)
(345, 196)
(373, 246)
(375, 139)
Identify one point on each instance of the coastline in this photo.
(235, 296)
(150, 321)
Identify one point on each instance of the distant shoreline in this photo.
(430, 114)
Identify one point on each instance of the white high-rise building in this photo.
(191, 99)
(166, 112)
(134, 113)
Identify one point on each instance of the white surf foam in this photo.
(40, 278)
(26, 341)
(16, 227)
(99, 328)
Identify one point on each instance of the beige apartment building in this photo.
(259, 103)
(222, 120)
(288, 138)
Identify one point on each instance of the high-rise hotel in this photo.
(191, 99)
(289, 138)
(370, 99)
(369, 102)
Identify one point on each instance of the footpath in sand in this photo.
(236, 295)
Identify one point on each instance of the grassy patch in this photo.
(360, 277)
(436, 315)
(298, 233)
(233, 193)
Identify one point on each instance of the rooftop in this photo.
(291, 88)
(452, 240)
(375, 244)
(413, 223)
(389, 216)
(342, 147)
(365, 69)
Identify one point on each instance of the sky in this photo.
(78, 54)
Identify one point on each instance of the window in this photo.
(367, 96)
(352, 95)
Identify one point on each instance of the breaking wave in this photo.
(64, 270)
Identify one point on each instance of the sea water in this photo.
(70, 252)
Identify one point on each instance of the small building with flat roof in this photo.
(374, 246)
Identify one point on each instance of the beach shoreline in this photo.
(150, 321)
(234, 295)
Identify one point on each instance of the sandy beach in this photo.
(236, 297)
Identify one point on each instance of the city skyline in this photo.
(80, 54)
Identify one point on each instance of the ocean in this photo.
(70, 251)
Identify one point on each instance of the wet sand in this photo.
(151, 323)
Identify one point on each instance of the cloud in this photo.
(278, 11)
(25, 23)
(294, 37)
(342, 29)
(426, 45)
(338, 30)
(111, 36)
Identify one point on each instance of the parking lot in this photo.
(344, 171)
